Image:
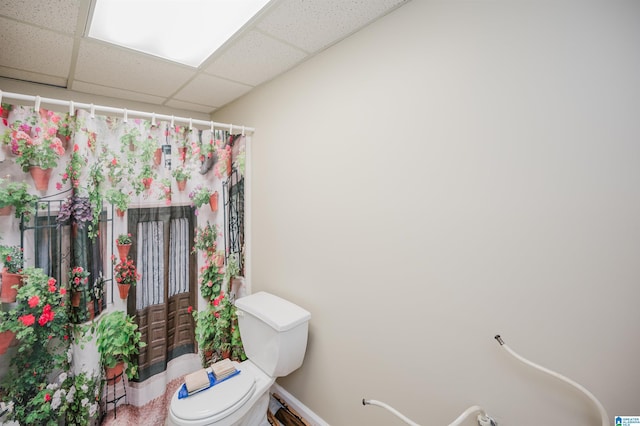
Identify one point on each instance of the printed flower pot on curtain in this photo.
(119, 213)
(75, 298)
(213, 201)
(40, 177)
(124, 290)
(10, 280)
(6, 339)
(5, 211)
(114, 373)
(182, 152)
(90, 311)
(123, 250)
(182, 184)
(157, 156)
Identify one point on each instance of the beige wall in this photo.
(455, 170)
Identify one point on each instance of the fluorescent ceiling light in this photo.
(185, 31)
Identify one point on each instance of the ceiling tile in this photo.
(211, 91)
(34, 49)
(59, 15)
(254, 59)
(313, 25)
(31, 76)
(112, 66)
(190, 107)
(81, 86)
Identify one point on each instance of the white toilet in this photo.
(274, 334)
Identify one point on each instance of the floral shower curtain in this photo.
(84, 182)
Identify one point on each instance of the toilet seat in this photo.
(215, 403)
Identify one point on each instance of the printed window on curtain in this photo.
(162, 251)
(56, 250)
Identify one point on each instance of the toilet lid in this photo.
(216, 402)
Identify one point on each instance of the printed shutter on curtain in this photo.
(163, 293)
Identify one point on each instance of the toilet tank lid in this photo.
(280, 314)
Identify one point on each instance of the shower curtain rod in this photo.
(125, 112)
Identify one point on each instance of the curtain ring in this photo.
(71, 108)
(37, 105)
(93, 111)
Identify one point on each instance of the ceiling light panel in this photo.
(184, 31)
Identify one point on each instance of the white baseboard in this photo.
(302, 409)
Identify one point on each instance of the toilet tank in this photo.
(274, 332)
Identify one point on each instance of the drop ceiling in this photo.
(44, 42)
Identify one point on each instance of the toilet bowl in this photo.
(274, 334)
(239, 401)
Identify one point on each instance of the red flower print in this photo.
(75, 147)
(47, 397)
(27, 320)
(190, 309)
(33, 301)
(47, 315)
(63, 291)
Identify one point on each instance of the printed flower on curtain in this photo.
(76, 210)
(209, 148)
(115, 167)
(66, 127)
(73, 170)
(205, 238)
(181, 173)
(5, 109)
(180, 136)
(42, 148)
(39, 320)
(12, 258)
(210, 280)
(222, 168)
(165, 191)
(126, 272)
(78, 278)
(200, 196)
